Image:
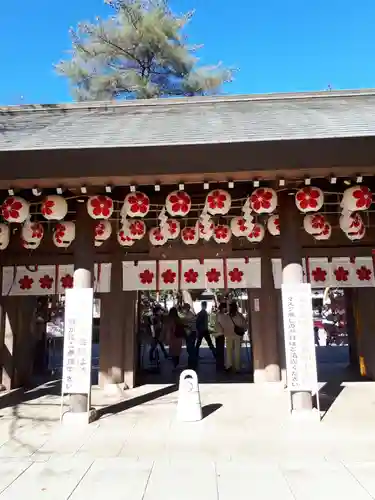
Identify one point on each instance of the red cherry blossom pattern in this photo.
(46, 282)
(172, 226)
(99, 229)
(188, 233)
(213, 275)
(216, 199)
(139, 203)
(364, 274)
(191, 276)
(341, 274)
(158, 235)
(47, 207)
(37, 231)
(363, 196)
(180, 202)
(66, 281)
(26, 282)
(60, 232)
(146, 277)
(319, 274)
(235, 275)
(137, 228)
(101, 206)
(168, 276)
(261, 198)
(318, 222)
(11, 208)
(308, 198)
(221, 232)
(242, 225)
(256, 232)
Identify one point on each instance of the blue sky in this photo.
(277, 46)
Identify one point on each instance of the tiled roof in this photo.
(189, 121)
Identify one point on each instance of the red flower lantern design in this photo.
(319, 275)
(26, 282)
(341, 274)
(168, 276)
(146, 277)
(235, 275)
(257, 234)
(218, 202)
(309, 199)
(314, 223)
(64, 234)
(350, 222)
(325, 234)
(206, 231)
(356, 198)
(15, 209)
(54, 207)
(213, 275)
(32, 232)
(136, 204)
(190, 235)
(273, 225)
(356, 234)
(157, 236)
(46, 282)
(364, 274)
(4, 236)
(66, 281)
(178, 203)
(222, 234)
(240, 227)
(100, 207)
(263, 200)
(103, 231)
(173, 226)
(191, 276)
(137, 229)
(124, 239)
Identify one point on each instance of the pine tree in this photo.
(139, 52)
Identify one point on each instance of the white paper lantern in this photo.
(257, 234)
(103, 231)
(137, 229)
(178, 203)
(309, 199)
(273, 225)
(218, 202)
(173, 229)
(98, 243)
(4, 236)
(350, 222)
(100, 206)
(206, 231)
(30, 245)
(356, 198)
(32, 232)
(136, 204)
(64, 234)
(124, 239)
(157, 236)
(240, 227)
(314, 223)
(263, 200)
(190, 234)
(325, 234)
(54, 207)
(15, 209)
(222, 234)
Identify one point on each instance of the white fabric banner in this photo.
(192, 275)
(139, 275)
(31, 280)
(243, 273)
(168, 275)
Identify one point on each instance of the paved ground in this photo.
(247, 446)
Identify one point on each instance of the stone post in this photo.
(292, 273)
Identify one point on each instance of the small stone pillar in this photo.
(292, 273)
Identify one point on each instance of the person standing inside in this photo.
(156, 328)
(189, 320)
(203, 330)
(219, 336)
(174, 331)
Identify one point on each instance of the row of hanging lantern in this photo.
(136, 206)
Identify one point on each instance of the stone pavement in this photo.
(247, 446)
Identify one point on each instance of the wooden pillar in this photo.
(113, 311)
(130, 304)
(292, 274)
(350, 297)
(83, 276)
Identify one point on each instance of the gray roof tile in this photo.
(188, 121)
